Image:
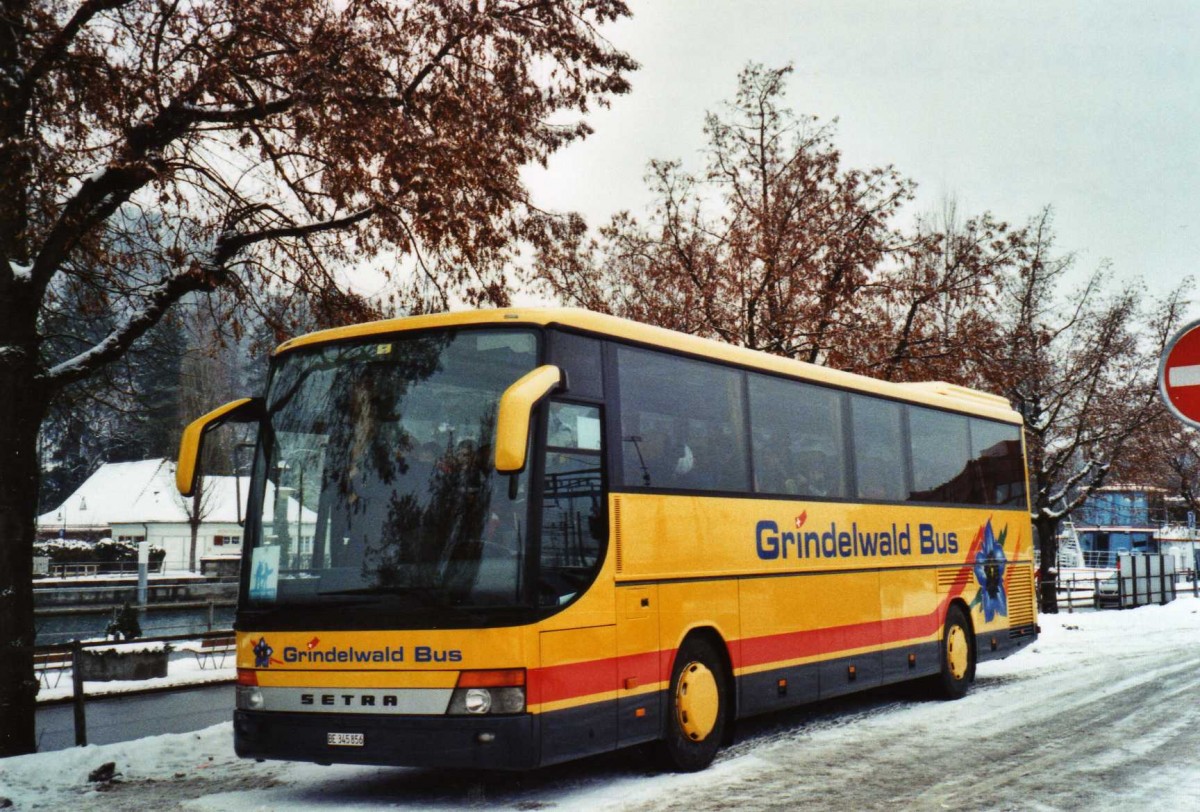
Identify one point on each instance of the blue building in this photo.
(1119, 518)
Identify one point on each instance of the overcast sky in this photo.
(1091, 107)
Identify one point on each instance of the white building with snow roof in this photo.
(137, 501)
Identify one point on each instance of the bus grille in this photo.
(617, 551)
(1020, 595)
(950, 577)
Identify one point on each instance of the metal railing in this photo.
(75, 569)
(1082, 589)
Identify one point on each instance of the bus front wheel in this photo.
(958, 655)
(697, 706)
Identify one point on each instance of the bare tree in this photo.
(776, 246)
(1174, 460)
(207, 381)
(153, 150)
(1078, 360)
(937, 308)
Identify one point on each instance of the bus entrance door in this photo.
(578, 673)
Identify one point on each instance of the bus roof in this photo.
(933, 393)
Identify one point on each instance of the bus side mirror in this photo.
(245, 410)
(516, 407)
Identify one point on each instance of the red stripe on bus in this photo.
(555, 683)
(563, 682)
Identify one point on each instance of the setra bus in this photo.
(505, 539)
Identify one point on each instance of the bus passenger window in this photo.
(878, 452)
(998, 468)
(682, 423)
(796, 429)
(938, 442)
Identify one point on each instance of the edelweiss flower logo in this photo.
(262, 653)
(990, 562)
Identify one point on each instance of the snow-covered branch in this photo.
(96, 199)
(20, 273)
(1070, 495)
(128, 330)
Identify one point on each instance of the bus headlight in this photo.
(478, 700)
(483, 692)
(249, 697)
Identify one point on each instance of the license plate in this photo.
(345, 739)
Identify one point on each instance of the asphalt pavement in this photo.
(118, 718)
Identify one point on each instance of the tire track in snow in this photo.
(1065, 740)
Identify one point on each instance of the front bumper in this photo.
(408, 741)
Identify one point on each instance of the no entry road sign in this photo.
(1179, 374)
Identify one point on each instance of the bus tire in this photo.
(697, 707)
(957, 656)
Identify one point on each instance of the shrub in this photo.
(104, 551)
(114, 552)
(66, 550)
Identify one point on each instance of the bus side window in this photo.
(579, 357)
(682, 423)
(940, 448)
(879, 457)
(796, 431)
(999, 466)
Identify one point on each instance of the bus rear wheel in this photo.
(697, 707)
(958, 656)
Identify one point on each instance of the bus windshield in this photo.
(374, 482)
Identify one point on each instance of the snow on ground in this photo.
(1099, 714)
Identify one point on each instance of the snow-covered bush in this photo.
(109, 551)
(65, 550)
(104, 551)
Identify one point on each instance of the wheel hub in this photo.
(697, 701)
(958, 652)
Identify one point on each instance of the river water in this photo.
(53, 629)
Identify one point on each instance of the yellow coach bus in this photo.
(510, 538)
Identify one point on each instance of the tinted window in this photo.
(682, 424)
(797, 434)
(940, 452)
(579, 357)
(878, 448)
(998, 470)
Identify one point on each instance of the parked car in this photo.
(1108, 590)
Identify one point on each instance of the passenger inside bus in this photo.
(665, 463)
(812, 474)
(771, 469)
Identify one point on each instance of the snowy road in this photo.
(1102, 713)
